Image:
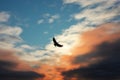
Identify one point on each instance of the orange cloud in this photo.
(109, 32)
(90, 52)
(51, 72)
(9, 55)
(104, 33)
(6, 54)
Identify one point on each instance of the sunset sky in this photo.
(89, 31)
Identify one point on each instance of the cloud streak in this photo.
(53, 18)
(48, 18)
(40, 21)
(96, 12)
(4, 16)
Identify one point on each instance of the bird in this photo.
(56, 43)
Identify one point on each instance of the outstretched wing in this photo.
(54, 40)
(56, 43)
(59, 45)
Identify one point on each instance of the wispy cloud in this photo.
(88, 3)
(4, 16)
(40, 21)
(48, 18)
(97, 15)
(96, 12)
(46, 15)
(53, 18)
(25, 46)
(45, 32)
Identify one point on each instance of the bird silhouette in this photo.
(56, 43)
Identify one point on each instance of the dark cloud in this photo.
(107, 68)
(103, 51)
(7, 74)
(11, 68)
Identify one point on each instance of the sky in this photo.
(89, 31)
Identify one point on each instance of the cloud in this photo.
(45, 32)
(9, 38)
(8, 74)
(40, 21)
(53, 18)
(86, 3)
(9, 35)
(25, 46)
(101, 33)
(107, 68)
(98, 57)
(48, 18)
(46, 15)
(15, 30)
(96, 12)
(95, 16)
(4, 16)
(12, 68)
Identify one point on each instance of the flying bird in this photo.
(56, 43)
